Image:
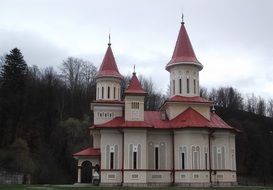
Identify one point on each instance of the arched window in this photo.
(111, 157)
(195, 157)
(135, 156)
(219, 157)
(180, 86)
(188, 85)
(183, 157)
(102, 92)
(114, 92)
(108, 92)
(135, 105)
(206, 159)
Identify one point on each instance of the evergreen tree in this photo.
(13, 79)
(14, 71)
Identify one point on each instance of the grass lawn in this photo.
(57, 187)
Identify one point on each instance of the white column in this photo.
(79, 174)
(93, 170)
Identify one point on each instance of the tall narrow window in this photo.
(112, 160)
(194, 86)
(135, 156)
(102, 92)
(188, 86)
(108, 92)
(135, 160)
(206, 160)
(173, 87)
(156, 158)
(180, 86)
(183, 157)
(135, 105)
(118, 94)
(98, 93)
(114, 92)
(182, 160)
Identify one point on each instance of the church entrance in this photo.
(86, 172)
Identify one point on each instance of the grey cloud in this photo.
(36, 50)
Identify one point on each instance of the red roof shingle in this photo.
(190, 118)
(183, 51)
(88, 152)
(135, 86)
(194, 99)
(109, 67)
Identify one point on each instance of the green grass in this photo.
(56, 187)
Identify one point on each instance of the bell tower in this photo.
(184, 67)
(134, 100)
(108, 104)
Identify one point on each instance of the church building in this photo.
(184, 143)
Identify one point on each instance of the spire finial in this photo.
(134, 70)
(109, 43)
(182, 17)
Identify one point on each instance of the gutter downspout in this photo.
(173, 159)
(210, 160)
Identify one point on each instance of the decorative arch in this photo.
(86, 172)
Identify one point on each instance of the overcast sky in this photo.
(233, 39)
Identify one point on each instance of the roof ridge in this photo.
(190, 109)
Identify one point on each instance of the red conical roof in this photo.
(183, 52)
(135, 86)
(109, 67)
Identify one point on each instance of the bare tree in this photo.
(261, 107)
(2, 60)
(251, 103)
(78, 72)
(204, 92)
(270, 108)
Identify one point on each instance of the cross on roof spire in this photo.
(109, 43)
(182, 17)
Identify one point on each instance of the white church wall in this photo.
(174, 109)
(96, 138)
(133, 177)
(134, 114)
(157, 137)
(184, 72)
(102, 114)
(135, 137)
(192, 177)
(189, 138)
(159, 177)
(112, 138)
(114, 87)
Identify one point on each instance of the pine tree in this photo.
(14, 71)
(13, 81)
